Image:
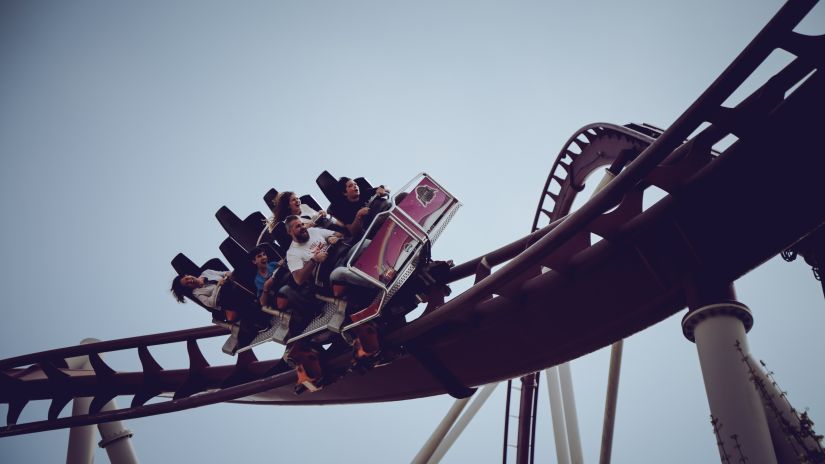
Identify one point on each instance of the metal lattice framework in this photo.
(591, 147)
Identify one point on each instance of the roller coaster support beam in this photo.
(564, 415)
(82, 437)
(611, 398)
(557, 415)
(423, 456)
(718, 324)
(451, 427)
(115, 438)
(478, 401)
(560, 390)
(571, 418)
(526, 419)
(568, 442)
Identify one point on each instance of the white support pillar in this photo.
(478, 401)
(611, 398)
(557, 415)
(719, 331)
(571, 419)
(440, 432)
(81, 438)
(115, 438)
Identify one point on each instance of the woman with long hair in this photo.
(288, 204)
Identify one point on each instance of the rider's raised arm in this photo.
(304, 273)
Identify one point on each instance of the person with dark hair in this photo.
(216, 291)
(204, 288)
(288, 203)
(181, 289)
(353, 207)
(308, 248)
(268, 278)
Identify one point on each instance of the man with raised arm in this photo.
(308, 249)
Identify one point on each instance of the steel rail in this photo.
(707, 104)
(114, 345)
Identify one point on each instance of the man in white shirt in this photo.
(308, 248)
(306, 252)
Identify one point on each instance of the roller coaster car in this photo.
(387, 271)
(396, 250)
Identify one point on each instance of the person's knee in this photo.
(337, 274)
(285, 297)
(341, 275)
(344, 275)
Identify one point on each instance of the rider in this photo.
(307, 250)
(216, 291)
(267, 277)
(288, 203)
(353, 207)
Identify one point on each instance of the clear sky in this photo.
(124, 126)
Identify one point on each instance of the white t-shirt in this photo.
(299, 253)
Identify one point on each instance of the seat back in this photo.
(183, 265)
(282, 237)
(328, 185)
(269, 239)
(245, 232)
(309, 201)
(214, 264)
(240, 260)
(269, 199)
(363, 184)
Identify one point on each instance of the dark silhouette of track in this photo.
(725, 213)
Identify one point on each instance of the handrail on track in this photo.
(114, 345)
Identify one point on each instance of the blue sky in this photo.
(125, 126)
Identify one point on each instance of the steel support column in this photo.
(718, 326)
(423, 456)
(557, 415)
(611, 398)
(115, 438)
(526, 420)
(478, 401)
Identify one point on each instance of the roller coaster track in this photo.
(722, 216)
